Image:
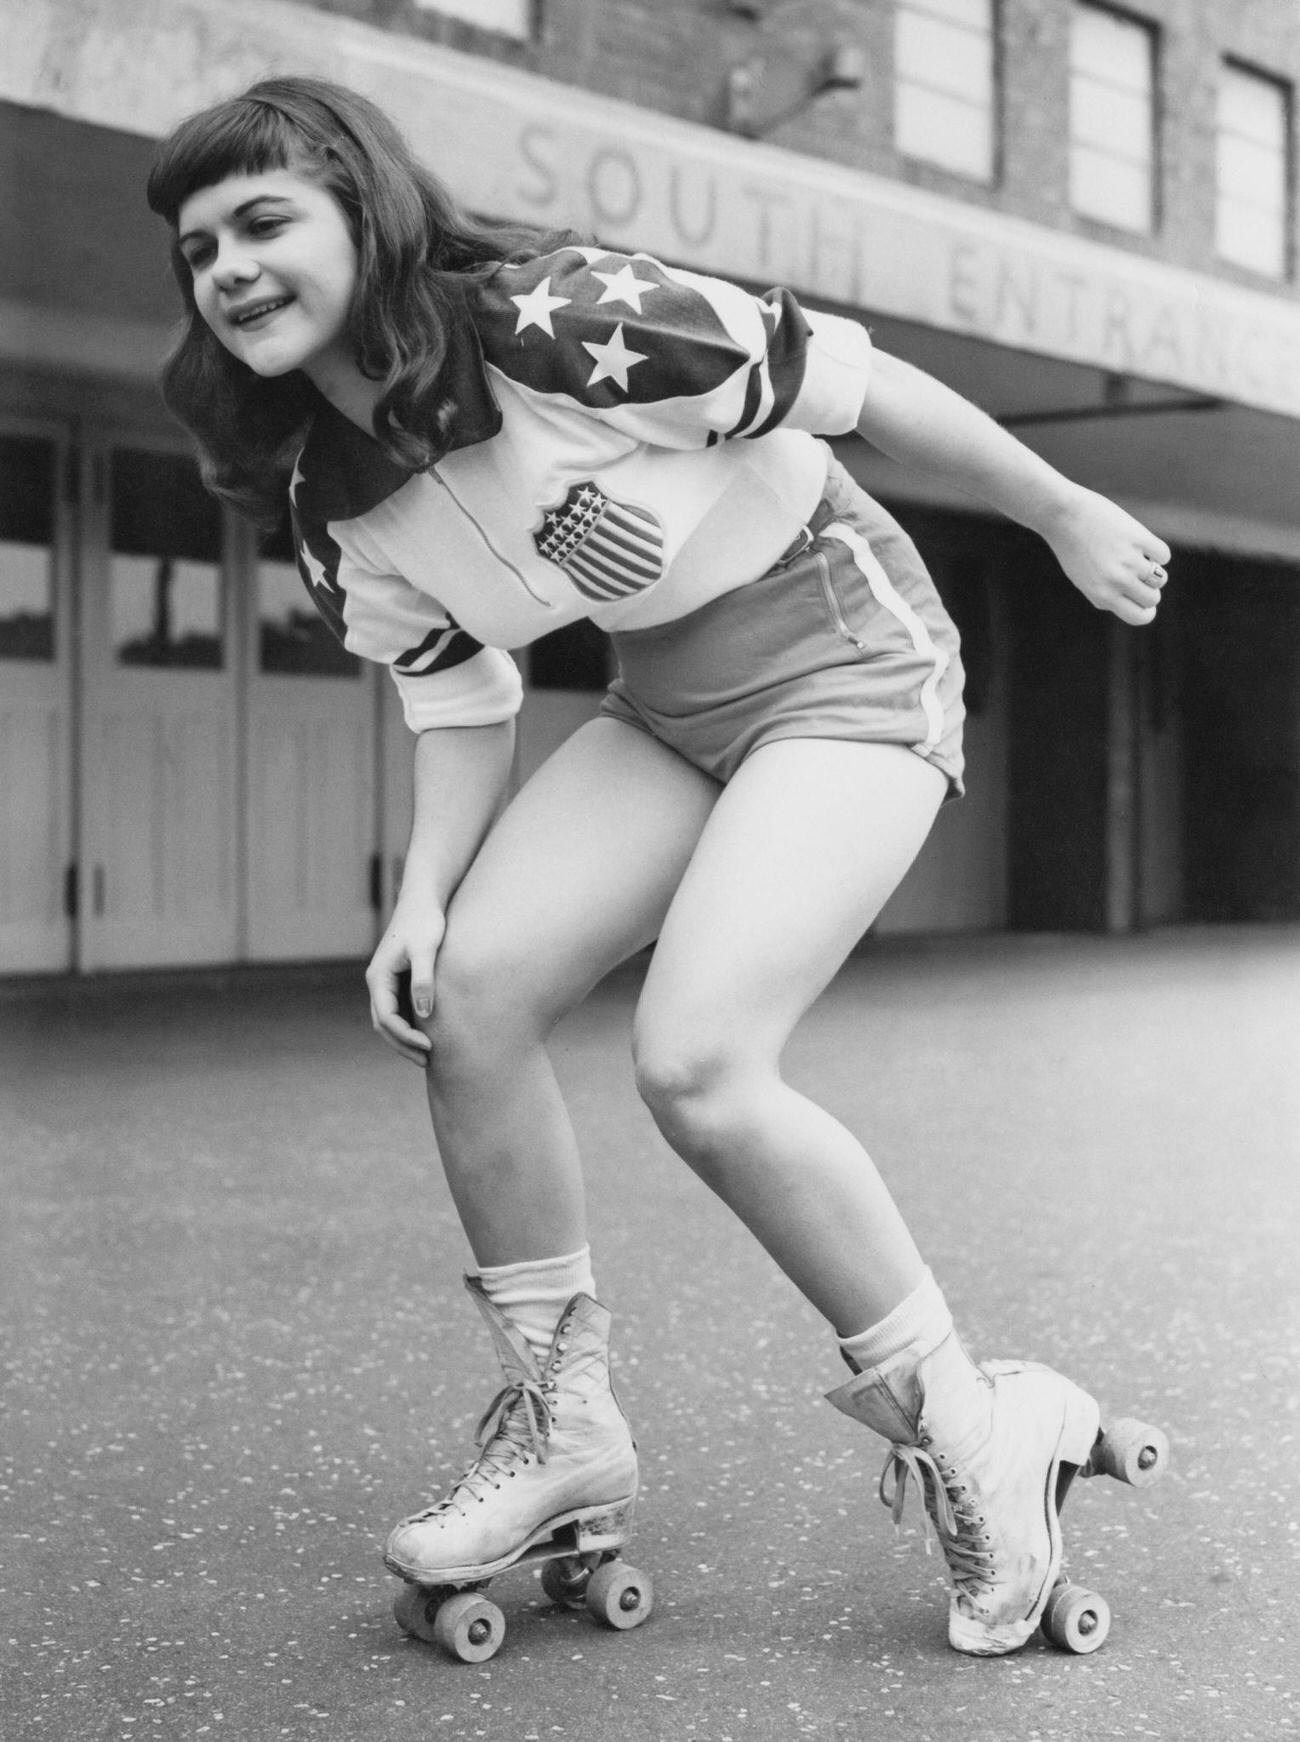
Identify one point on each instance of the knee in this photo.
(694, 1088)
(481, 1007)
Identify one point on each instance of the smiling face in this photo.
(274, 269)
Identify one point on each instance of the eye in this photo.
(265, 226)
(197, 255)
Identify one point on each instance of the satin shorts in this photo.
(845, 637)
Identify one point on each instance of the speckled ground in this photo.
(235, 1349)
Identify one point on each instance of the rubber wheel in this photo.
(470, 1627)
(619, 1596)
(414, 1610)
(565, 1581)
(1133, 1452)
(1076, 1620)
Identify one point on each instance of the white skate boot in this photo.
(555, 1480)
(992, 1450)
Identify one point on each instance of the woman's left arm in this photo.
(1106, 552)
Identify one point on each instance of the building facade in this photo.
(1080, 215)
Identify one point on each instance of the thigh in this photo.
(580, 869)
(802, 851)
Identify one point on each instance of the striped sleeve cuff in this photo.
(481, 691)
(836, 373)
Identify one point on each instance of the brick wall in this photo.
(674, 56)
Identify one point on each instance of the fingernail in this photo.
(422, 1007)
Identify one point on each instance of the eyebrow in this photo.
(239, 211)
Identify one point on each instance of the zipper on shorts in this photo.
(833, 604)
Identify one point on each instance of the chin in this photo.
(269, 368)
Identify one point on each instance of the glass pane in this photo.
(976, 15)
(1103, 187)
(1111, 49)
(27, 471)
(942, 57)
(1253, 107)
(1113, 120)
(1250, 238)
(1252, 172)
(165, 575)
(944, 130)
(508, 17)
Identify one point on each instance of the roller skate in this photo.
(554, 1483)
(993, 1450)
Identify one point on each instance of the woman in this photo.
(493, 433)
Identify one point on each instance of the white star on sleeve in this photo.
(624, 286)
(315, 568)
(613, 360)
(536, 309)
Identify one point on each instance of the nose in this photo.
(233, 266)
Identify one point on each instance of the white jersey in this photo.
(591, 467)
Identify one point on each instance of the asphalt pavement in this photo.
(236, 1348)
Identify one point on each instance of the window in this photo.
(1253, 194)
(944, 98)
(164, 573)
(506, 17)
(1112, 120)
(26, 548)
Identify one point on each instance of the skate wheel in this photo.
(1133, 1452)
(619, 1595)
(415, 1609)
(565, 1581)
(469, 1627)
(1076, 1620)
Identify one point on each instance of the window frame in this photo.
(487, 15)
(993, 111)
(1285, 89)
(1150, 30)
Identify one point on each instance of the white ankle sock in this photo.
(917, 1325)
(532, 1295)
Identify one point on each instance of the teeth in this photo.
(262, 308)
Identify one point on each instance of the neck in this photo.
(347, 389)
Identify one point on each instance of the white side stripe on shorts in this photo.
(890, 599)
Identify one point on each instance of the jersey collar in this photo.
(345, 471)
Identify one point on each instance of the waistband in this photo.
(820, 518)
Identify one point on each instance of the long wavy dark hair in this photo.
(415, 252)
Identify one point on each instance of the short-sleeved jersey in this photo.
(623, 440)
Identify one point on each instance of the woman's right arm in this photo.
(461, 774)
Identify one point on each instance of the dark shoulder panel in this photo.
(342, 472)
(605, 329)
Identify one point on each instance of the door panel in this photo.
(35, 703)
(311, 788)
(159, 846)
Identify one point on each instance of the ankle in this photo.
(533, 1294)
(905, 1336)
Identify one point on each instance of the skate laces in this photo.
(948, 1509)
(515, 1425)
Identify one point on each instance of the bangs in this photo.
(241, 137)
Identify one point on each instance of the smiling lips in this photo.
(269, 305)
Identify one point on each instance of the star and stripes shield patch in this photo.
(608, 549)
